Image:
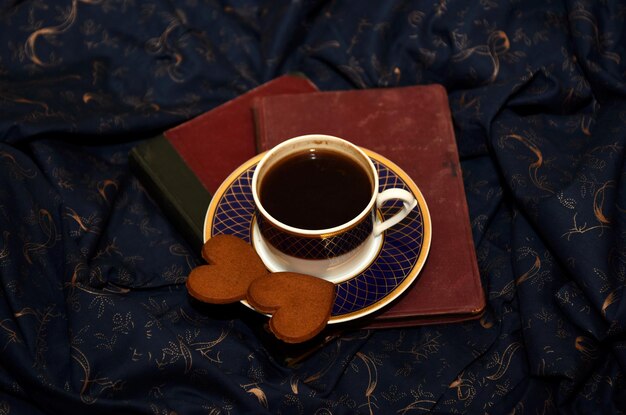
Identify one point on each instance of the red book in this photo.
(412, 127)
(217, 142)
(184, 166)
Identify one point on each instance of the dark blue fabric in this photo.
(94, 315)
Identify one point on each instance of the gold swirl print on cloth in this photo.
(50, 32)
(48, 227)
(93, 271)
(497, 45)
(18, 171)
(533, 168)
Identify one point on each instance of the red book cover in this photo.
(412, 127)
(184, 166)
(218, 141)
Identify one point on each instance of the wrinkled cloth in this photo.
(94, 314)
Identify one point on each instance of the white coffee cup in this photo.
(334, 253)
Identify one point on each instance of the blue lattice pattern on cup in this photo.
(316, 247)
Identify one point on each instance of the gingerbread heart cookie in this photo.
(300, 304)
(232, 265)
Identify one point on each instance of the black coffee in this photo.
(317, 189)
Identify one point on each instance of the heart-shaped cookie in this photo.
(300, 304)
(233, 265)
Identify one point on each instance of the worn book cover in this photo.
(412, 127)
(184, 166)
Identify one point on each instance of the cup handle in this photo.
(408, 201)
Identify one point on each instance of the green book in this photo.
(173, 186)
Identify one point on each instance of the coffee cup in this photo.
(317, 201)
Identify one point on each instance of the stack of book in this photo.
(411, 126)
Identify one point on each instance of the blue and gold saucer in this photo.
(392, 270)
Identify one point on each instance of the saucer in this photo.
(392, 266)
